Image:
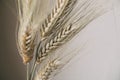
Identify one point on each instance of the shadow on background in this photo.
(11, 66)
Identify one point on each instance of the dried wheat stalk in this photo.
(67, 31)
(66, 7)
(57, 20)
(26, 32)
(54, 65)
(52, 44)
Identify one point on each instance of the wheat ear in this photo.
(26, 44)
(53, 43)
(63, 7)
(26, 32)
(67, 32)
(50, 67)
(62, 35)
(54, 66)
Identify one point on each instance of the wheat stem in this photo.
(27, 71)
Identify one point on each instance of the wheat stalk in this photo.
(63, 13)
(49, 26)
(59, 37)
(55, 66)
(52, 44)
(26, 32)
(28, 13)
(65, 33)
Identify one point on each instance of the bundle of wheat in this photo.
(46, 25)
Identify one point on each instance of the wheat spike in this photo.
(50, 67)
(54, 43)
(62, 8)
(27, 46)
(26, 33)
(28, 12)
(59, 37)
(26, 37)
